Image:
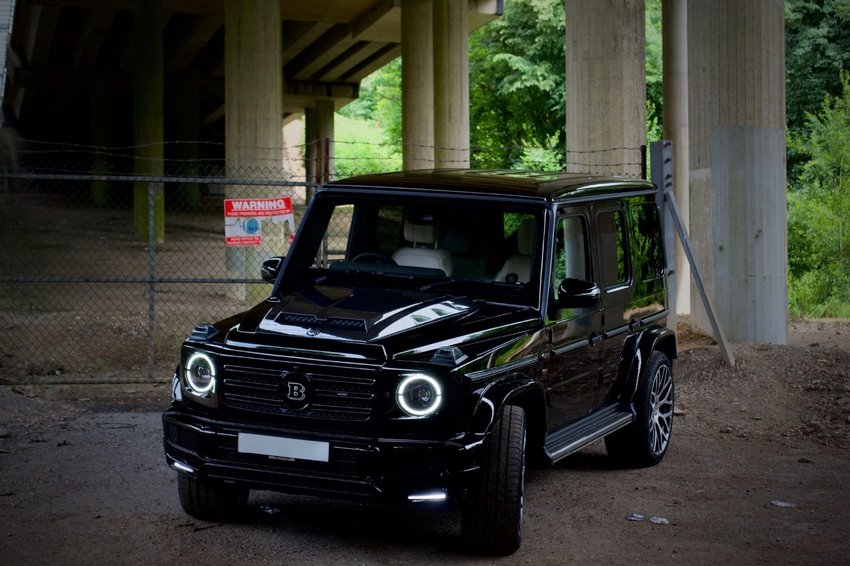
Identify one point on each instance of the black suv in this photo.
(427, 334)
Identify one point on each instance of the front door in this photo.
(572, 379)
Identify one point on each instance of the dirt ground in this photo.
(757, 472)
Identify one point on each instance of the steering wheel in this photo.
(374, 257)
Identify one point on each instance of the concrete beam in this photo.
(191, 42)
(92, 36)
(372, 63)
(298, 35)
(321, 52)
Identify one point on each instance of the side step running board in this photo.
(572, 438)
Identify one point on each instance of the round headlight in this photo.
(419, 395)
(200, 373)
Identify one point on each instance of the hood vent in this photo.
(316, 322)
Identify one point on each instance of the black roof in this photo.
(547, 185)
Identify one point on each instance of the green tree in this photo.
(380, 102)
(654, 73)
(517, 107)
(361, 147)
(517, 69)
(819, 211)
(817, 47)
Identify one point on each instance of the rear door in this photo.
(617, 285)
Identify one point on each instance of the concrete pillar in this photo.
(185, 151)
(100, 118)
(674, 28)
(606, 86)
(318, 127)
(253, 82)
(736, 56)
(148, 114)
(417, 84)
(451, 84)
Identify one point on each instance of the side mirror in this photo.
(270, 269)
(578, 293)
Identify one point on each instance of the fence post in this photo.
(661, 175)
(151, 280)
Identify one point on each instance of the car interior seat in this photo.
(423, 251)
(517, 268)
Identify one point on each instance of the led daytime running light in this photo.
(433, 392)
(200, 359)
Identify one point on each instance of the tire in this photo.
(492, 511)
(209, 500)
(644, 442)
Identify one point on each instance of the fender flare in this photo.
(641, 347)
(513, 389)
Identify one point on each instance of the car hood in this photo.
(344, 319)
(361, 315)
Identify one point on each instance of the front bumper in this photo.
(357, 467)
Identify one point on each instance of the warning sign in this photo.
(244, 217)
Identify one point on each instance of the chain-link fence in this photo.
(103, 276)
(104, 272)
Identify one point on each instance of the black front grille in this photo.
(332, 396)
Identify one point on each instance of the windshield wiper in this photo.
(440, 283)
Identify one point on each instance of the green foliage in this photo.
(380, 102)
(517, 107)
(819, 211)
(654, 74)
(817, 47)
(360, 147)
(517, 68)
(817, 39)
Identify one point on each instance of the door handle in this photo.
(595, 340)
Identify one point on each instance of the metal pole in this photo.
(151, 279)
(662, 176)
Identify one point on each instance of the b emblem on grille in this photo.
(295, 390)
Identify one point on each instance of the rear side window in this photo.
(647, 252)
(613, 256)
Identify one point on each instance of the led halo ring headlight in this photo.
(419, 395)
(200, 373)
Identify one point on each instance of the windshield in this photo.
(472, 248)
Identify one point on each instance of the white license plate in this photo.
(283, 447)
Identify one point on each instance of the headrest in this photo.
(525, 237)
(419, 233)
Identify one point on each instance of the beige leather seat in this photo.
(517, 268)
(423, 251)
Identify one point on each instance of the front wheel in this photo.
(644, 442)
(210, 500)
(492, 513)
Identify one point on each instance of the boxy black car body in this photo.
(428, 333)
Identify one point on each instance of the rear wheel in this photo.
(492, 513)
(644, 442)
(211, 500)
